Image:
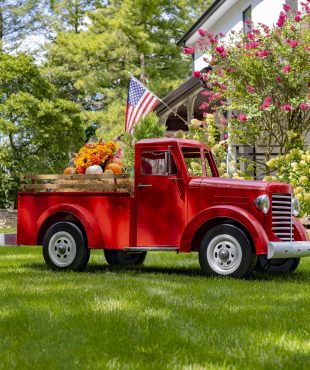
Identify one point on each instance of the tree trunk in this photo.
(142, 65)
(1, 30)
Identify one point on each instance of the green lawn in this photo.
(8, 230)
(165, 315)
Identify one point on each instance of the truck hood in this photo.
(255, 185)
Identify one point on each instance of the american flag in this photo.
(140, 101)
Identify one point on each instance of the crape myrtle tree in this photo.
(38, 130)
(262, 77)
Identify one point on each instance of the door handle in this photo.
(144, 185)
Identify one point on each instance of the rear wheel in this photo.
(116, 257)
(226, 251)
(276, 265)
(65, 247)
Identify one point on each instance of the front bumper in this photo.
(288, 249)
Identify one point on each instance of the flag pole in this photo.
(166, 105)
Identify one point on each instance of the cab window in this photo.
(158, 163)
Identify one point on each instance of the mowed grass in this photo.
(164, 315)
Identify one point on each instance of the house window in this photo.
(292, 3)
(158, 164)
(247, 16)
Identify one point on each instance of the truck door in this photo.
(160, 199)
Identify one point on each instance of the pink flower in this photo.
(242, 117)
(281, 20)
(197, 74)
(250, 36)
(232, 70)
(204, 105)
(202, 32)
(213, 40)
(221, 34)
(286, 7)
(250, 89)
(287, 108)
(188, 50)
(298, 17)
(292, 43)
(225, 136)
(286, 68)
(304, 106)
(220, 49)
(263, 54)
(204, 93)
(224, 122)
(278, 78)
(266, 103)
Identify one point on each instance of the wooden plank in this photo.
(60, 187)
(38, 186)
(73, 177)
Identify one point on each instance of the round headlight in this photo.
(262, 203)
(295, 207)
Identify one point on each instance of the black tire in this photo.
(277, 265)
(65, 247)
(226, 251)
(117, 257)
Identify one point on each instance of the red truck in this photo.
(234, 225)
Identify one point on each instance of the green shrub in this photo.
(294, 168)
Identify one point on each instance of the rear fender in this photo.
(91, 227)
(249, 222)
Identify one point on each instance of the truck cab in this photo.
(179, 203)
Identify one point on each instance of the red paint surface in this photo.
(169, 213)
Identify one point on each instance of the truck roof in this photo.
(168, 140)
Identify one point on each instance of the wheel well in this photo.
(200, 233)
(58, 217)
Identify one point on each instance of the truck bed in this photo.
(109, 214)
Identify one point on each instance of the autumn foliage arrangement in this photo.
(100, 153)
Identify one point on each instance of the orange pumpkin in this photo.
(118, 161)
(115, 167)
(69, 171)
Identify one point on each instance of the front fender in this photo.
(93, 233)
(248, 221)
(300, 232)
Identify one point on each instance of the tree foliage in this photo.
(38, 130)
(92, 67)
(19, 19)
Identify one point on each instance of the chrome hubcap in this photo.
(224, 254)
(62, 249)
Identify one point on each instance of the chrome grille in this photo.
(282, 223)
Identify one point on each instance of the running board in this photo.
(151, 249)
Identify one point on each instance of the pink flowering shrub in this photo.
(262, 77)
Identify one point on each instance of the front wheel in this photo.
(226, 251)
(65, 247)
(117, 257)
(277, 265)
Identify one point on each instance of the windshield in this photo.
(195, 162)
